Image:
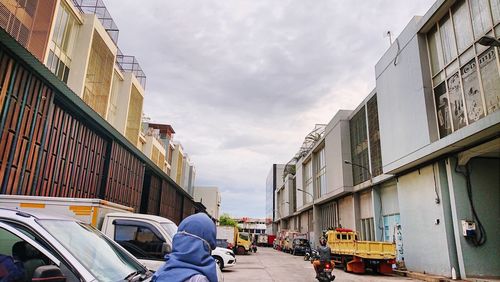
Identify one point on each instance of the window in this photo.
(308, 182)
(467, 89)
(463, 29)
(472, 92)
(61, 46)
(374, 136)
(447, 40)
(66, 269)
(367, 229)
(26, 255)
(456, 101)
(321, 172)
(390, 227)
(140, 241)
(481, 17)
(442, 110)
(490, 79)
(359, 147)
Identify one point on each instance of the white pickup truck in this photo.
(147, 237)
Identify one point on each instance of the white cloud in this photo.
(242, 82)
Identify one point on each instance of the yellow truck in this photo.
(240, 242)
(356, 255)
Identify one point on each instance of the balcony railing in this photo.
(130, 64)
(98, 8)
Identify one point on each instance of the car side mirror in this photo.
(166, 248)
(48, 273)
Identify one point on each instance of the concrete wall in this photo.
(337, 149)
(425, 242)
(210, 197)
(485, 188)
(299, 184)
(346, 212)
(404, 91)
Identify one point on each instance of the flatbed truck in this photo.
(356, 256)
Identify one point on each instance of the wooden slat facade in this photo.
(51, 144)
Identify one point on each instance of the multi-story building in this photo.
(416, 163)
(178, 159)
(72, 128)
(251, 225)
(77, 41)
(274, 180)
(210, 197)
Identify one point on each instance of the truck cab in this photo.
(147, 237)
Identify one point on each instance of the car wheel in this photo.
(240, 250)
(219, 262)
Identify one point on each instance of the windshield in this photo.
(171, 228)
(94, 251)
(302, 242)
(244, 236)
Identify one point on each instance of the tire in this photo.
(219, 261)
(240, 250)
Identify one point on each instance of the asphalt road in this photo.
(271, 265)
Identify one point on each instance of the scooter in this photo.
(325, 273)
(310, 255)
(254, 248)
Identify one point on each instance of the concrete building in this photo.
(77, 40)
(274, 180)
(251, 225)
(210, 197)
(416, 163)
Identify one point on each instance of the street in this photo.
(271, 265)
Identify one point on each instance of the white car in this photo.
(224, 257)
(54, 248)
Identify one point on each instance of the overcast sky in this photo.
(243, 82)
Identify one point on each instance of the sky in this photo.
(242, 82)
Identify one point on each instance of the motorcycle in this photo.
(310, 254)
(326, 268)
(254, 248)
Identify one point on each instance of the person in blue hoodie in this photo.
(190, 259)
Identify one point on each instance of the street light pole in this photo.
(358, 165)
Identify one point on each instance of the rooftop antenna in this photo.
(388, 34)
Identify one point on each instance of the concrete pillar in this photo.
(378, 220)
(316, 225)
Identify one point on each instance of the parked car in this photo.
(222, 243)
(224, 257)
(300, 246)
(51, 247)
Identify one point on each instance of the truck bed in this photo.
(364, 249)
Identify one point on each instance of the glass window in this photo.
(472, 92)
(447, 40)
(456, 101)
(490, 79)
(442, 110)
(463, 29)
(140, 241)
(94, 251)
(23, 258)
(495, 10)
(481, 19)
(435, 51)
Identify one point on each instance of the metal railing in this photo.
(130, 64)
(98, 8)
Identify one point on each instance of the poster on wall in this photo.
(472, 92)
(456, 102)
(491, 80)
(442, 110)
